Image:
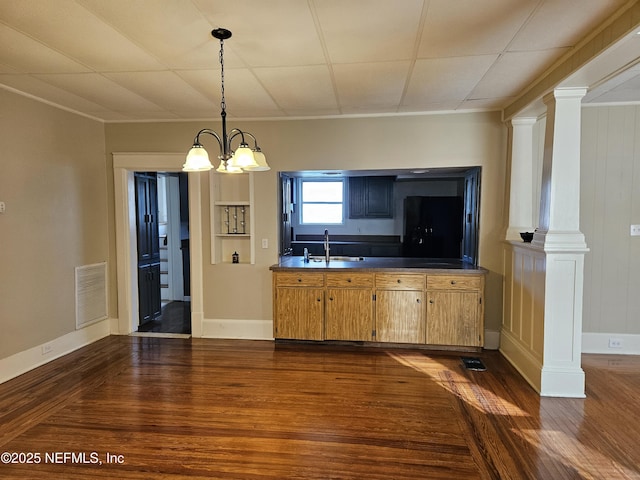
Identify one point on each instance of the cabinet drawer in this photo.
(400, 281)
(293, 279)
(454, 282)
(350, 280)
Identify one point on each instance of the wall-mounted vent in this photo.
(91, 294)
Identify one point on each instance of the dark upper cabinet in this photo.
(147, 217)
(371, 197)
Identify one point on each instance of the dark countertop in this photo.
(341, 242)
(416, 265)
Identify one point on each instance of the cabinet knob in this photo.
(418, 300)
(399, 281)
(453, 282)
(319, 299)
(299, 280)
(331, 298)
(431, 301)
(348, 280)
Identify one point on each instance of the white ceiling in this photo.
(120, 60)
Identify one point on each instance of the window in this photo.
(322, 201)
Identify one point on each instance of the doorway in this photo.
(124, 165)
(162, 228)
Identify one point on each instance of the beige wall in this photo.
(53, 181)
(244, 292)
(610, 203)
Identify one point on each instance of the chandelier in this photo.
(244, 158)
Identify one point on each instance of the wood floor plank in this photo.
(197, 408)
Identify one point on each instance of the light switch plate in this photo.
(635, 230)
(265, 243)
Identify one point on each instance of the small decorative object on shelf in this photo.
(235, 258)
(235, 219)
(526, 236)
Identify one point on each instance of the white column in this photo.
(558, 234)
(521, 188)
(559, 224)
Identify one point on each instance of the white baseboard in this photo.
(491, 340)
(521, 359)
(239, 329)
(629, 344)
(26, 360)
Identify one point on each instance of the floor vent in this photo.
(473, 363)
(91, 294)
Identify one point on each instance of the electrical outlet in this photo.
(46, 348)
(615, 342)
(635, 230)
(3, 207)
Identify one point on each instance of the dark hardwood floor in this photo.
(156, 408)
(175, 317)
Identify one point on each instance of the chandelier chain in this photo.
(223, 104)
(244, 158)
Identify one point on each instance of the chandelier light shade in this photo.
(197, 160)
(245, 158)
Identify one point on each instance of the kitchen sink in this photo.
(335, 258)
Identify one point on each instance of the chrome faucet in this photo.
(326, 246)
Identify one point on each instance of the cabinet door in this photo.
(154, 228)
(142, 218)
(379, 197)
(144, 300)
(154, 290)
(349, 314)
(400, 316)
(146, 193)
(299, 313)
(453, 318)
(371, 197)
(149, 300)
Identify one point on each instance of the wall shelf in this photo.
(232, 223)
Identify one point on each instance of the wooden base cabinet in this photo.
(299, 306)
(349, 315)
(416, 308)
(400, 308)
(455, 311)
(300, 313)
(349, 301)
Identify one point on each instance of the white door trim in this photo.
(124, 165)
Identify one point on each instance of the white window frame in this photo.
(321, 180)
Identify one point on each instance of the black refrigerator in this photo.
(433, 227)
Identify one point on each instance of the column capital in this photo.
(524, 121)
(565, 93)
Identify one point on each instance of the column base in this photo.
(562, 382)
